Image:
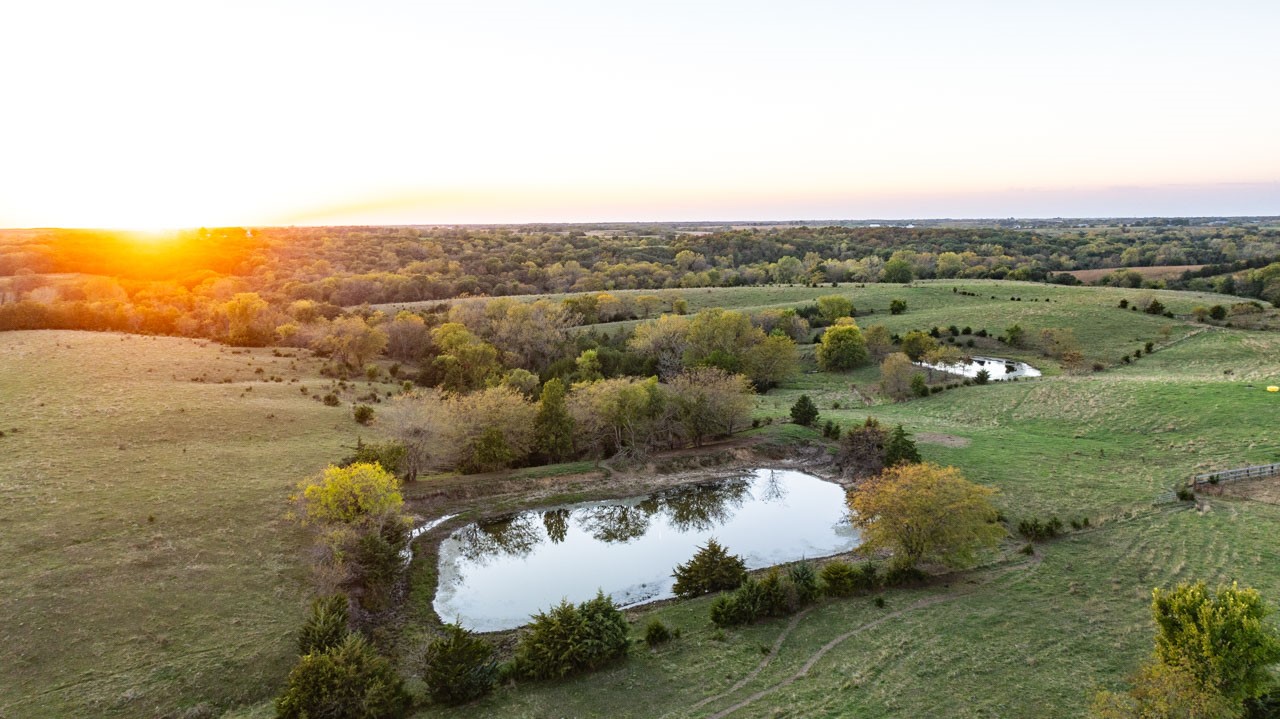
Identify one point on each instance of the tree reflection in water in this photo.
(514, 536)
(687, 508)
(556, 522)
(700, 507)
(614, 523)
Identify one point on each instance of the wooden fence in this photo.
(1231, 475)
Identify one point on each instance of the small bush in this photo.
(1149, 347)
(904, 576)
(362, 413)
(327, 625)
(804, 411)
(349, 680)
(805, 580)
(1037, 531)
(982, 377)
(656, 633)
(897, 307)
(1186, 495)
(880, 602)
(711, 569)
(839, 579)
(569, 639)
(331, 400)
(458, 667)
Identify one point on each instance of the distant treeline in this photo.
(181, 284)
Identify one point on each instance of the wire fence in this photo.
(1231, 475)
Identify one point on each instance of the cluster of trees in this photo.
(499, 426)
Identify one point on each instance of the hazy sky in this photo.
(175, 113)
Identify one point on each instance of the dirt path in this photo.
(773, 652)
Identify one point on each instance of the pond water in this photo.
(495, 575)
(998, 369)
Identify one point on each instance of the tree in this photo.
(842, 348)
(458, 667)
(723, 336)
(327, 625)
(553, 425)
(861, 451)
(408, 338)
(569, 639)
(919, 387)
(833, 307)
(350, 340)
(897, 307)
(465, 361)
(348, 495)
(897, 270)
(1015, 336)
(804, 411)
(349, 681)
(248, 323)
(588, 366)
(899, 449)
(924, 512)
(1218, 312)
(896, 373)
(1221, 637)
(623, 414)
(711, 569)
(916, 344)
(710, 401)
(665, 340)
(879, 342)
(771, 362)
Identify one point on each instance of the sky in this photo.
(184, 113)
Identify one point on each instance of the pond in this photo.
(494, 575)
(998, 369)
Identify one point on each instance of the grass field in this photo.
(1021, 638)
(146, 565)
(1154, 272)
(148, 569)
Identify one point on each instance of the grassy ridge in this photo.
(147, 566)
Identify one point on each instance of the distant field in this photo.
(146, 564)
(1158, 272)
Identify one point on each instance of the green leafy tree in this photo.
(1222, 637)
(916, 344)
(711, 569)
(327, 625)
(1015, 336)
(458, 667)
(833, 307)
(553, 425)
(899, 449)
(897, 307)
(348, 681)
(804, 411)
(842, 348)
(923, 512)
(897, 270)
(919, 387)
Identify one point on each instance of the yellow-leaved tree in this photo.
(924, 512)
(350, 495)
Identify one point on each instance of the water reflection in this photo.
(494, 575)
